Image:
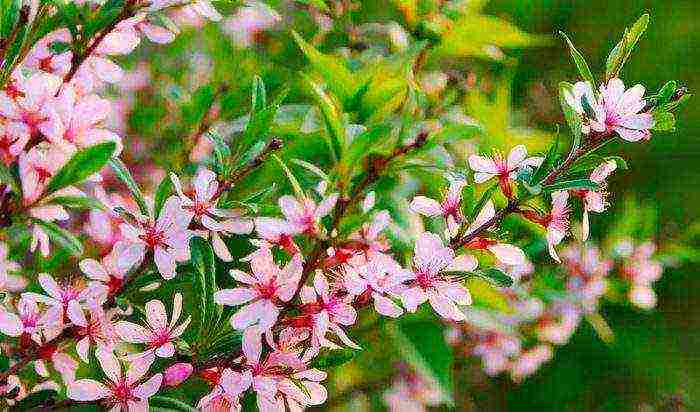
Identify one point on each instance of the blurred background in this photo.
(653, 363)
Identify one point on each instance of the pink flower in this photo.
(411, 392)
(449, 208)
(37, 167)
(82, 120)
(225, 396)
(177, 373)
(31, 102)
(121, 392)
(202, 207)
(13, 138)
(107, 275)
(167, 237)
(328, 311)
(595, 200)
(530, 361)
(380, 280)
(66, 299)
(428, 283)
(275, 383)
(278, 232)
(47, 213)
(42, 58)
(505, 253)
(98, 329)
(9, 282)
(304, 215)
(616, 111)
(159, 335)
(125, 37)
(556, 222)
(103, 226)
(496, 350)
(264, 290)
(642, 271)
(29, 321)
(485, 168)
(248, 21)
(369, 239)
(559, 324)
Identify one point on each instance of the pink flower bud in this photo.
(177, 374)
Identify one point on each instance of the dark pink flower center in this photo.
(266, 291)
(152, 236)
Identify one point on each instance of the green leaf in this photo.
(35, 400)
(83, 164)
(258, 97)
(311, 168)
(622, 51)
(580, 62)
(169, 404)
(575, 184)
(359, 149)
(333, 118)
(6, 177)
(548, 163)
(77, 202)
(333, 358)
(60, 236)
(204, 284)
(665, 93)
(664, 122)
(258, 126)
(484, 294)
(163, 192)
(488, 193)
(336, 75)
(497, 276)
(124, 175)
(573, 119)
(292, 180)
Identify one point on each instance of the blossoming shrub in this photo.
(180, 233)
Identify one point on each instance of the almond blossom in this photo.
(121, 392)
(28, 322)
(263, 291)
(31, 102)
(167, 237)
(485, 168)
(159, 335)
(304, 215)
(96, 328)
(595, 200)
(8, 281)
(556, 222)
(66, 299)
(106, 276)
(277, 232)
(616, 110)
(380, 280)
(228, 387)
(449, 208)
(429, 283)
(41, 57)
(36, 167)
(202, 207)
(14, 136)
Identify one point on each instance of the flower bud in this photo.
(177, 374)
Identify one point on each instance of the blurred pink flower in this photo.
(37, 167)
(505, 253)
(177, 373)
(41, 57)
(449, 208)
(303, 215)
(379, 279)
(31, 101)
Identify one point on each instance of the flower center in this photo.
(152, 236)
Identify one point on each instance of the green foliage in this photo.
(61, 236)
(622, 51)
(204, 284)
(124, 175)
(83, 164)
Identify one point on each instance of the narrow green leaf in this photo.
(163, 192)
(311, 168)
(169, 404)
(258, 97)
(204, 284)
(482, 201)
(332, 116)
(292, 180)
(622, 51)
(548, 163)
(334, 358)
(664, 122)
(77, 202)
(497, 276)
(574, 184)
(258, 126)
(665, 93)
(60, 236)
(573, 119)
(6, 177)
(580, 62)
(83, 164)
(124, 175)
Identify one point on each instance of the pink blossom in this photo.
(8, 281)
(556, 222)
(106, 275)
(159, 336)
(304, 215)
(177, 373)
(428, 283)
(642, 271)
(37, 167)
(496, 351)
(530, 361)
(95, 329)
(228, 387)
(13, 138)
(47, 213)
(587, 271)
(379, 279)
(121, 392)
(82, 121)
(31, 102)
(103, 226)
(411, 392)
(66, 299)
(595, 200)
(202, 207)
(559, 324)
(616, 111)
(328, 310)
(449, 208)
(485, 168)
(263, 291)
(277, 232)
(505, 253)
(248, 21)
(29, 321)
(167, 237)
(42, 58)
(369, 239)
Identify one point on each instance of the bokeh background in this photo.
(654, 361)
